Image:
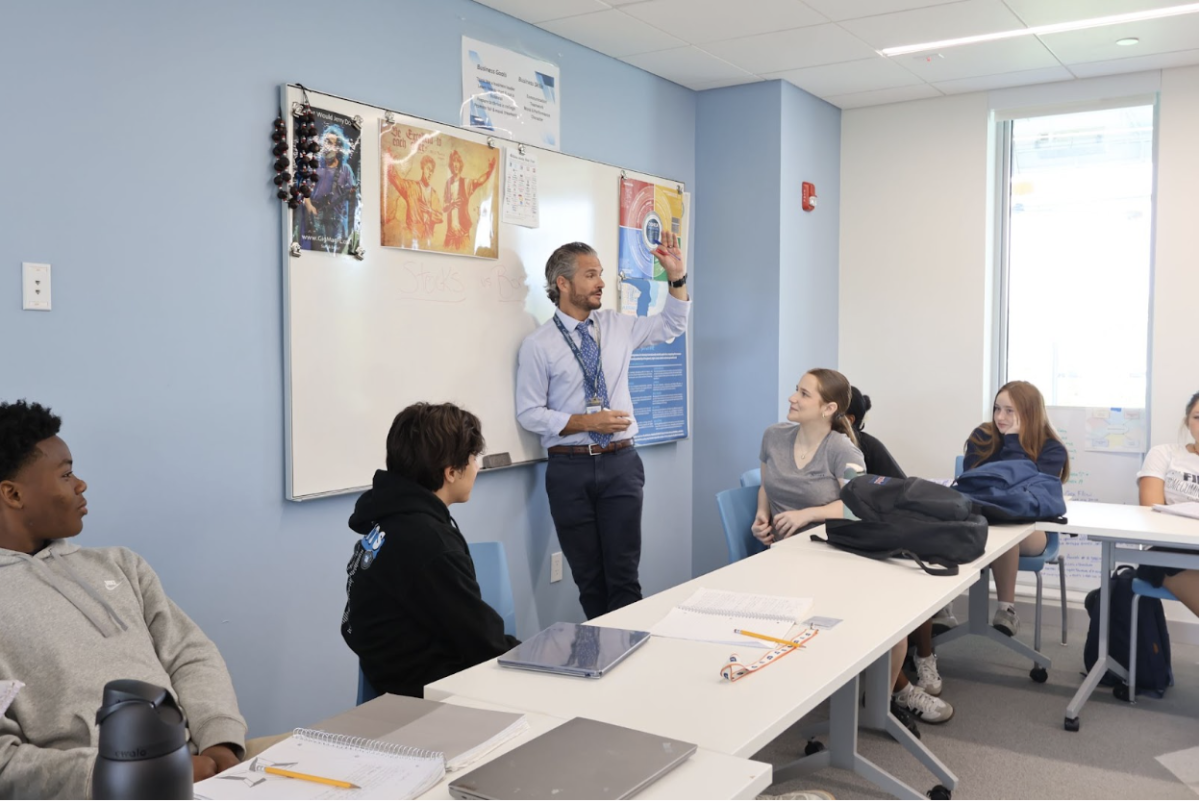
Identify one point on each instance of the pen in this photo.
(295, 775)
(750, 634)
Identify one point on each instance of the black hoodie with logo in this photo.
(414, 613)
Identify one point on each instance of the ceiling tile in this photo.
(1049, 12)
(838, 10)
(700, 21)
(1099, 44)
(852, 76)
(933, 24)
(878, 97)
(1159, 61)
(984, 58)
(543, 10)
(986, 82)
(730, 82)
(613, 33)
(794, 49)
(689, 66)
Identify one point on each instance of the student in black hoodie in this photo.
(414, 613)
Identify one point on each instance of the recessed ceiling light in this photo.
(1128, 41)
(1061, 27)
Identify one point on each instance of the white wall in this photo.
(916, 248)
(1175, 340)
(915, 283)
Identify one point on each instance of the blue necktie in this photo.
(592, 369)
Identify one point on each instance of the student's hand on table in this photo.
(213, 760)
(791, 522)
(761, 528)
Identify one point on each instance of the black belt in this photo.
(591, 450)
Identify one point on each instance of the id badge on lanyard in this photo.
(594, 405)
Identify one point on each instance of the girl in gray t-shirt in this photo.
(804, 462)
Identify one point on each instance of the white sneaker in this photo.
(927, 674)
(1006, 621)
(925, 707)
(944, 619)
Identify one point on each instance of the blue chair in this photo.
(1140, 588)
(752, 477)
(738, 506)
(1036, 563)
(491, 570)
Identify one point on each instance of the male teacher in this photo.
(573, 391)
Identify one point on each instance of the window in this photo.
(1076, 254)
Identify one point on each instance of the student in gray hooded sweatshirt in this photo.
(72, 619)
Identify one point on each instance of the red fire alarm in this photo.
(808, 196)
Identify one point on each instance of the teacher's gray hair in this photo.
(563, 263)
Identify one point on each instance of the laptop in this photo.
(582, 759)
(578, 650)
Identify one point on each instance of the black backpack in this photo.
(1154, 673)
(912, 518)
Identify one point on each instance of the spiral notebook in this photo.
(713, 615)
(381, 770)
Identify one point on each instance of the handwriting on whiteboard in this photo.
(492, 281)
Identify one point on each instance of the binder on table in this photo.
(713, 615)
(464, 734)
(581, 759)
(380, 770)
(578, 650)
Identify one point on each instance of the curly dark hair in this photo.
(22, 427)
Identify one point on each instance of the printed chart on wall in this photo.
(1105, 448)
(657, 375)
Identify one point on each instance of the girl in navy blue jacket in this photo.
(1019, 429)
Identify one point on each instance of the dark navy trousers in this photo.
(596, 504)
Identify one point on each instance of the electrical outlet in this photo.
(556, 567)
(35, 282)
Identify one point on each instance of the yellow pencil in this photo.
(750, 634)
(295, 775)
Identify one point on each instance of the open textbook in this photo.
(713, 615)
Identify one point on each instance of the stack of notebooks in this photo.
(393, 747)
(713, 615)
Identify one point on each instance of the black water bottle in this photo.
(143, 744)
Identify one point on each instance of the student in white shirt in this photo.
(1171, 475)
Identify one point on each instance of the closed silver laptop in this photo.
(579, 650)
(582, 759)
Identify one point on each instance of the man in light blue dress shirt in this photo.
(573, 391)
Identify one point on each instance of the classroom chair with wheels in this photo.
(738, 506)
(1035, 564)
(752, 477)
(1140, 588)
(495, 585)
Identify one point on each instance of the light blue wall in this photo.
(808, 243)
(138, 165)
(736, 311)
(766, 285)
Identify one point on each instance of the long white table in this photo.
(1114, 525)
(673, 687)
(705, 775)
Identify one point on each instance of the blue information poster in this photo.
(658, 374)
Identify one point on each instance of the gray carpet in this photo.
(1006, 739)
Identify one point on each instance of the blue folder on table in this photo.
(578, 650)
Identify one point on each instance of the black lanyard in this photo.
(590, 381)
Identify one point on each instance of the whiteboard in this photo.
(1105, 476)
(365, 338)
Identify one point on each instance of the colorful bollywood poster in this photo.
(658, 374)
(330, 219)
(440, 193)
